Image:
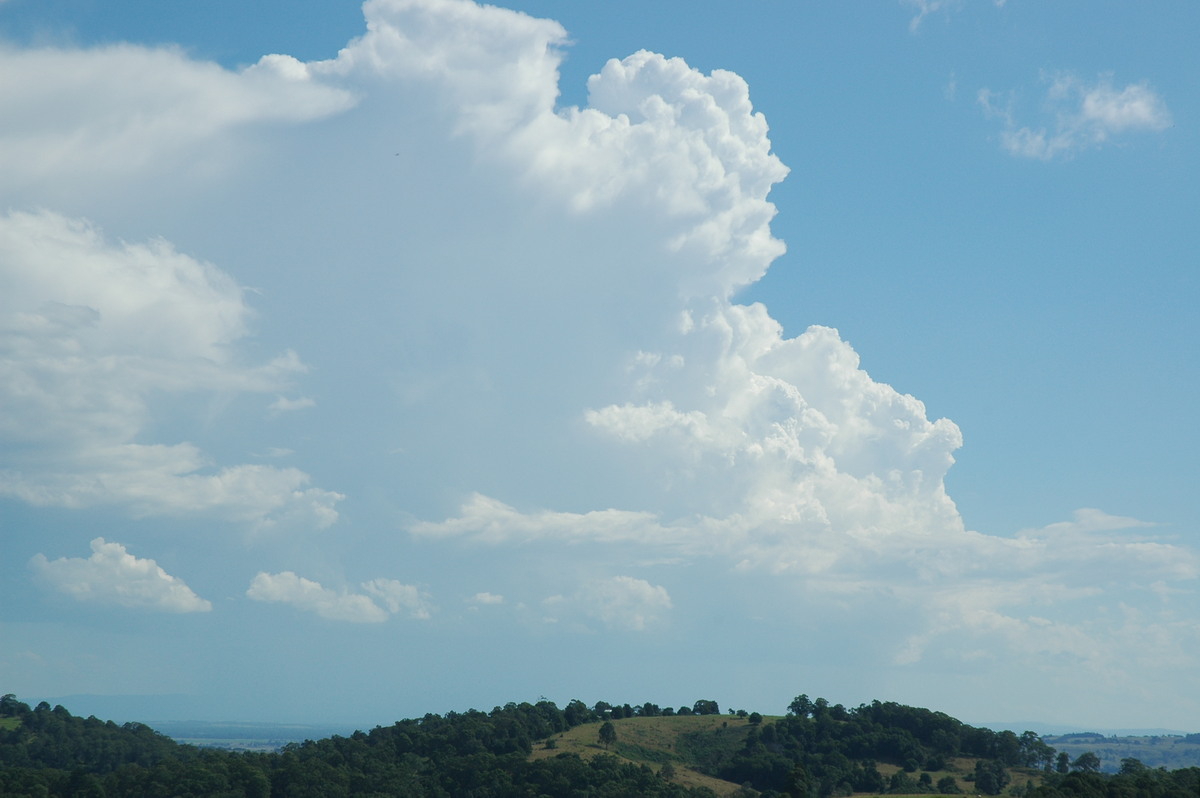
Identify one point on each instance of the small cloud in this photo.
(397, 597)
(310, 596)
(1084, 115)
(925, 8)
(1088, 519)
(487, 598)
(951, 90)
(114, 576)
(624, 603)
(284, 405)
(275, 452)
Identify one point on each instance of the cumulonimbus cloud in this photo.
(113, 576)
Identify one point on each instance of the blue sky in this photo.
(614, 351)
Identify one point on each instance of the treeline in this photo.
(824, 750)
(49, 752)
(1134, 780)
(816, 751)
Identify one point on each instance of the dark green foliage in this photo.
(608, 733)
(816, 751)
(47, 752)
(990, 776)
(948, 785)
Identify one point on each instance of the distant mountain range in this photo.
(1057, 729)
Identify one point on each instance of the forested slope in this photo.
(815, 751)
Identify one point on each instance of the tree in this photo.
(667, 771)
(755, 718)
(948, 785)
(705, 707)
(1062, 763)
(1087, 762)
(800, 706)
(608, 733)
(990, 776)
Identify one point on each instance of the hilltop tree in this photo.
(1087, 762)
(801, 706)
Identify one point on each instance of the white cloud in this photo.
(619, 603)
(1084, 116)
(91, 335)
(625, 603)
(657, 137)
(490, 521)
(487, 598)
(114, 576)
(925, 8)
(96, 114)
(310, 596)
(690, 427)
(790, 457)
(398, 597)
(766, 453)
(284, 405)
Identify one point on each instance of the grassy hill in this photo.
(694, 744)
(682, 740)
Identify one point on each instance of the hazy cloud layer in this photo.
(113, 576)
(93, 334)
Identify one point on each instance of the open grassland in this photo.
(8, 724)
(655, 742)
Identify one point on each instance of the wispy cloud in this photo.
(284, 405)
(113, 576)
(1081, 116)
(926, 8)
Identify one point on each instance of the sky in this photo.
(363, 361)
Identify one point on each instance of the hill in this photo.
(681, 740)
(1156, 751)
(816, 750)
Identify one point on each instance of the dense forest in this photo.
(816, 750)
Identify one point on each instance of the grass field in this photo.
(9, 723)
(653, 742)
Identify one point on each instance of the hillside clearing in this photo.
(653, 741)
